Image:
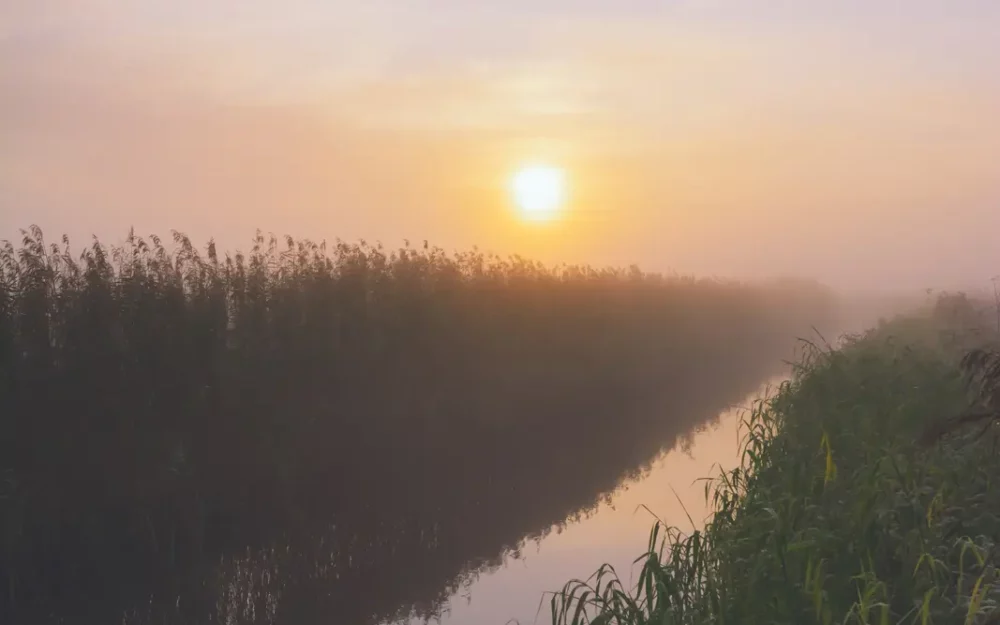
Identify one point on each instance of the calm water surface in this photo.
(617, 532)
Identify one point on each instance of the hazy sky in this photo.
(857, 141)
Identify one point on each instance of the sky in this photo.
(851, 141)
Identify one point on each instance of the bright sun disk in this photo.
(539, 192)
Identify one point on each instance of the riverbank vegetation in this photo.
(867, 494)
(309, 432)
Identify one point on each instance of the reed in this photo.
(165, 409)
(839, 512)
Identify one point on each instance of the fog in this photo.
(851, 144)
(205, 422)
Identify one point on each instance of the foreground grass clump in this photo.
(314, 421)
(839, 512)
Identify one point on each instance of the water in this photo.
(481, 531)
(616, 533)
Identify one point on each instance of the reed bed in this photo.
(842, 509)
(168, 414)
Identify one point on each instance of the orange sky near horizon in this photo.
(853, 144)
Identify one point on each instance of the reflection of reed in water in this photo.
(397, 572)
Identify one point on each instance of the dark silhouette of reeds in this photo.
(332, 434)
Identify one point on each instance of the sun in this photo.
(539, 192)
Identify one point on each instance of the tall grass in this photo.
(838, 513)
(338, 413)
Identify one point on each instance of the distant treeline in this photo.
(307, 432)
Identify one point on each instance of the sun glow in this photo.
(539, 192)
